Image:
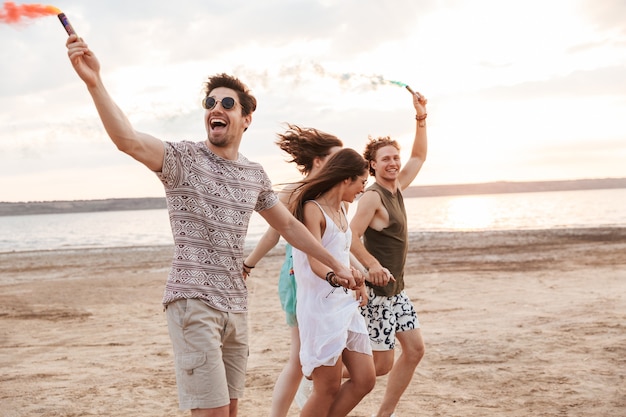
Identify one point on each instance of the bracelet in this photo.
(247, 266)
(247, 269)
(421, 119)
(330, 279)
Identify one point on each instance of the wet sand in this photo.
(515, 323)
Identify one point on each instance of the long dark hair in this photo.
(342, 165)
(304, 144)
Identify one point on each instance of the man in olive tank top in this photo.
(380, 243)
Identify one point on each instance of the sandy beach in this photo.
(524, 323)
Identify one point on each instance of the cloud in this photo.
(609, 81)
(501, 78)
(607, 15)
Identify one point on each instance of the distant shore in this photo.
(148, 203)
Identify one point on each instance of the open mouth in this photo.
(217, 123)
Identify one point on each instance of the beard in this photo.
(220, 141)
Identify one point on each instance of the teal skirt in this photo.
(287, 288)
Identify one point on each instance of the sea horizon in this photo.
(603, 208)
(9, 208)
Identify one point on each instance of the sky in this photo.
(517, 91)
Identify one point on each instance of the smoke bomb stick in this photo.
(412, 92)
(66, 24)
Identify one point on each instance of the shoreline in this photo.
(8, 208)
(601, 232)
(515, 323)
(417, 240)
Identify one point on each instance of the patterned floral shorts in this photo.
(386, 316)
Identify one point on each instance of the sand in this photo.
(515, 324)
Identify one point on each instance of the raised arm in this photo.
(418, 152)
(143, 147)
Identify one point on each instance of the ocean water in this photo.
(544, 210)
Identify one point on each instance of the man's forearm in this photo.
(143, 147)
(115, 122)
(362, 255)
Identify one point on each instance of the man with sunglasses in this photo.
(380, 220)
(211, 192)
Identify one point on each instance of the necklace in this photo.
(336, 215)
(340, 220)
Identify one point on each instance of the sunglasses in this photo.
(227, 103)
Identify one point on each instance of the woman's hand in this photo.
(361, 295)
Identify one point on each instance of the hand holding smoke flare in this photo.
(13, 13)
(419, 96)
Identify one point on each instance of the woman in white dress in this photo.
(333, 333)
(309, 149)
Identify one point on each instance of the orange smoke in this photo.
(13, 13)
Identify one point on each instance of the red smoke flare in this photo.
(13, 13)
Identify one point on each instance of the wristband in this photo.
(330, 279)
(247, 269)
(421, 120)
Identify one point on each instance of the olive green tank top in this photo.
(389, 245)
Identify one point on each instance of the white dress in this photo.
(329, 320)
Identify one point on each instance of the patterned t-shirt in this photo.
(210, 201)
